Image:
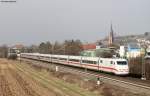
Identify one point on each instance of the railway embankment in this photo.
(89, 83)
(23, 80)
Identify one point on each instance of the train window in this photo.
(101, 61)
(90, 62)
(54, 57)
(62, 59)
(47, 57)
(75, 60)
(121, 62)
(148, 53)
(111, 62)
(94, 62)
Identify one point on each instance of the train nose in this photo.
(123, 70)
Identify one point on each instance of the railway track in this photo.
(24, 85)
(128, 84)
(23, 80)
(63, 88)
(4, 85)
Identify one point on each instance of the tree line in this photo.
(3, 51)
(68, 47)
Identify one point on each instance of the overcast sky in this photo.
(34, 21)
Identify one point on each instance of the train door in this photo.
(80, 60)
(81, 63)
(113, 66)
(98, 63)
(106, 65)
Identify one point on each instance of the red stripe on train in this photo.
(70, 62)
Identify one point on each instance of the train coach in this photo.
(117, 66)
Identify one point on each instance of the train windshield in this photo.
(148, 53)
(122, 62)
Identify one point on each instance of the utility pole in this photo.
(143, 66)
(52, 49)
(143, 70)
(20, 58)
(65, 49)
(98, 78)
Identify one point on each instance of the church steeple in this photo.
(111, 28)
(111, 35)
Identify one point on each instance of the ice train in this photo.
(117, 66)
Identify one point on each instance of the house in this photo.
(133, 51)
(89, 46)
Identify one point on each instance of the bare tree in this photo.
(45, 48)
(73, 47)
(3, 51)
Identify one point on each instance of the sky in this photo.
(34, 21)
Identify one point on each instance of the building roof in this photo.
(18, 46)
(89, 46)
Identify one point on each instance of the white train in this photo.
(117, 66)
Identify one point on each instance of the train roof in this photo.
(76, 57)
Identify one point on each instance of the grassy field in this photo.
(22, 80)
(28, 79)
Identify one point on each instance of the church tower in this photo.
(111, 36)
